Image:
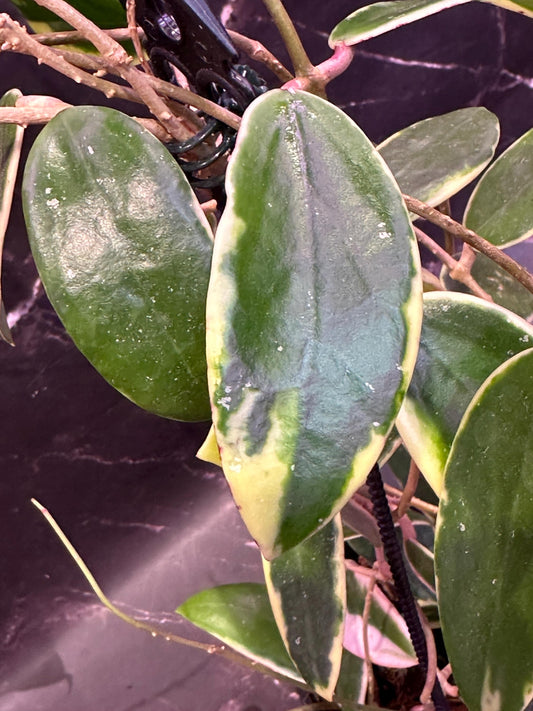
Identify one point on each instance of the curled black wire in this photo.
(406, 601)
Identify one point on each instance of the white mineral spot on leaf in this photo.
(90, 149)
(47, 191)
(53, 203)
(462, 527)
(370, 387)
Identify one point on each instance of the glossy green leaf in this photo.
(313, 315)
(484, 543)
(107, 14)
(435, 158)
(422, 563)
(497, 282)
(501, 207)
(463, 340)
(307, 591)
(10, 147)
(124, 251)
(373, 20)
(388, 637)
(240, 616)
(352, 684)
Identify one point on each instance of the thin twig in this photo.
(134, 35)
(301, 62)
(408, 492)
(366, 645)
(415, 503)
(257, 51)
(431, 674)
(453, 265)
(121, 34)
(474, 240)
(449, 240)
(220, 650)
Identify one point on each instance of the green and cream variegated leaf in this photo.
(501, 207)
(380, 17)
(124, 252)
(10, 147)
(436, 158)
(388, 636)
(240, 616)
(313, 315)
(307, 593)
(463, 340)
(484, 543)
(523, 7)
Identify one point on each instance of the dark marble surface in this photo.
(153, 523)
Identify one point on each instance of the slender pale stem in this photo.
(516, 270)
(408, 492)
(301, 62)
(256, 50)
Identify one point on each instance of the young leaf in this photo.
(240, 616)
(434, 159)
(313, 315)
(501, 207)
(124, 251)
(484, 543)
(307, 591)
(373, 20)
(463, 340)
(10, 146)
(388, 636)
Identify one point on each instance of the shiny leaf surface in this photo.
(435, 158)
(313, 315)
(124, 251)
(307, 591)
(240, 615)
(373, 20)
(463, 340)
(484, 543)
(501, 206)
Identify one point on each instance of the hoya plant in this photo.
(269, 280)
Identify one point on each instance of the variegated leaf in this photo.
(463, 340)
(240, 615)
(307, 592)
(313, 315)
(501, 207)
(388, 636)
(436, 158)
(484, 543)
(373, 20)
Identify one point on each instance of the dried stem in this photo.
(474, 240)
(449, 240)
(257, 51)
(134, 34)
(415, 503)
(431, 674)
(453, 265)
(408, 492)
(120, 34)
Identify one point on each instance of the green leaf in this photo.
(388, 636)
(107, 14)
(353, 682)
(240, 616)
(313, 315)
(373, 20)
(307, 591)
(497, 282)
(124, 251)
(435, 158)
(484, 543)
(463, 340)
(10, 147)
(501, 207)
